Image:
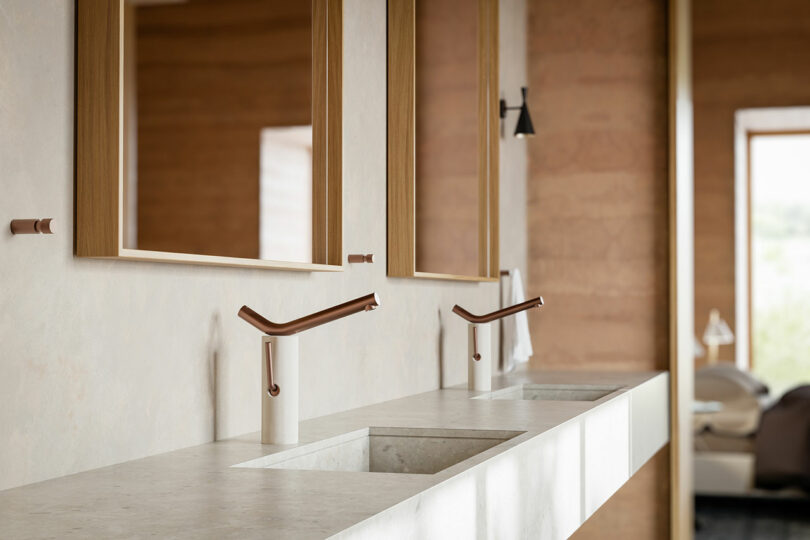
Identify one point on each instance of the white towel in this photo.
(516, 337)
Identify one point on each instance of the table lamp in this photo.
(717, 333)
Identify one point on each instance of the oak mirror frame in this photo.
(443, 139)
(104, 31)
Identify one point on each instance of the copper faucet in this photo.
(500, 314)
(489, 317)
(364, 303)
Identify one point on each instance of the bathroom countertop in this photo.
(196, 492)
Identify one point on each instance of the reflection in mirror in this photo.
(285, 194)
(447, 137)
(218, 118)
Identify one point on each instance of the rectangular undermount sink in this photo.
(387, 450)
(552, 392)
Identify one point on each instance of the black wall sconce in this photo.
(524, 127)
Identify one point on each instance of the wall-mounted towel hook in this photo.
(506, 273)
(360, 258)
(32, 226)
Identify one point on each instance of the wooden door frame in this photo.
(681, 268)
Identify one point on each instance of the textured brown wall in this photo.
(211, 74)
(598, 183)
(746, 53)
(639, 510)
(598, 226)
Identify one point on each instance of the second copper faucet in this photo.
(499, 314)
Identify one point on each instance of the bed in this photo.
(734, 454)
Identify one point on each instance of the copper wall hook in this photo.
(272, 388)
(360, 258)
(499, 314)
(32, 226)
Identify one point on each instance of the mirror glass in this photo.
(218, 147)
(447, 111)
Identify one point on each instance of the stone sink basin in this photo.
(552, 392)
(386, 450)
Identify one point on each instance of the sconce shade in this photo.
(717, 331)
(524, 127)
(700, 352)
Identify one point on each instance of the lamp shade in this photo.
(524, 127)
(717, 331)
(700, 352)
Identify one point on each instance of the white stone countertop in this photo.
(197, 493)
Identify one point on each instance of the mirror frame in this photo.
(401, 144)
(101, 154)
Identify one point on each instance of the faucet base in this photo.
(280, 412)
(479, 343)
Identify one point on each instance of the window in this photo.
(780, 258)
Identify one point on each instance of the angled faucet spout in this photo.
(364, 303)
(501, 313)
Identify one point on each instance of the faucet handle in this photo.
(272, 388)
(476, 355)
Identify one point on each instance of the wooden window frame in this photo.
(101, 156)
(401, 144)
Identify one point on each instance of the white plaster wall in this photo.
(513, 66)
(513, 165)
(107, 361)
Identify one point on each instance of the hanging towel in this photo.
(516, 337)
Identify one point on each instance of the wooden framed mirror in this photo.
(210, 132)
(443, 122)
